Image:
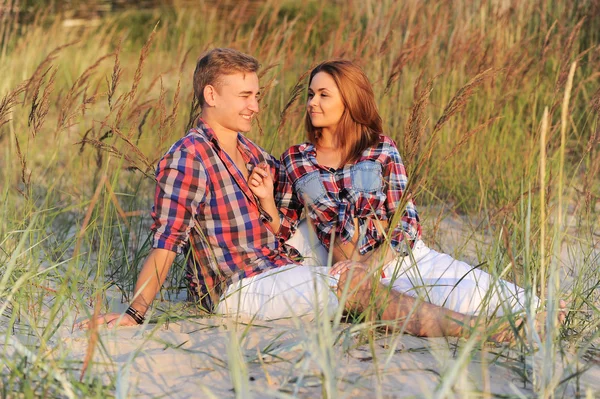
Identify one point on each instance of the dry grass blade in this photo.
(88, 215)
(470, 134)
(43, 65)
(184, 59)
(8, 102)
(141, 125)
(65, 115)
(595, 136)
(406, 55)
(173, 117)
(294, 94)
(266, 69)
(140, 155)
(137, 77)
(194, 113)
(592, 148)
(25, 178)
(161, 108)
(457, 103)
(115, 77)
(385, 44)
(93, 328)
(566, 55)
(167, 123)
(40, 106)
(115, 202)
(103, 147)
(415, 125)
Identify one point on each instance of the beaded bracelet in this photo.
(135, 315)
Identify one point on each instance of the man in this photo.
(237, 264)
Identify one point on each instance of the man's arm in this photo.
(151, 278)
(181, 184)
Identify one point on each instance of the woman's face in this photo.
(324, 105)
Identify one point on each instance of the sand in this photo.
(218, 357)
(194, 358)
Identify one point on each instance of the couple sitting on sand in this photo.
(237, 210)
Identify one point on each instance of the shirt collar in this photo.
(207, 131)
(308, 148)
(242, 141)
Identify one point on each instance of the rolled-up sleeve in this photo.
(399, 200)
(290, 208)
(180, 191)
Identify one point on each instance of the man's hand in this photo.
(260, 181)
(148, 284)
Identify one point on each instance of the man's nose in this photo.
(253, 106)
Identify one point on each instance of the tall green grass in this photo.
(462, 87)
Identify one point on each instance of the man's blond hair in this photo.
(218, 62)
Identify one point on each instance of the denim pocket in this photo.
(366, 176)
(310, 188)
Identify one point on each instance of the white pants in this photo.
(284, 292)
(444, 281)
(305, 290)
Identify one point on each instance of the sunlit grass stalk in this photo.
(550, 381)
(238, 369)
(543, 221)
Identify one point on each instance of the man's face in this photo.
(236, 101)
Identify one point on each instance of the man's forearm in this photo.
(151, 278)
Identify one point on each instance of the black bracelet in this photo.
(135, 315)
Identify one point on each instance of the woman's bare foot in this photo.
(505, 331)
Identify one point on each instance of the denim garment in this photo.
(370, 189)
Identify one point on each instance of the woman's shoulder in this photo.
(385, 145)
(386, 141)
(297, 150)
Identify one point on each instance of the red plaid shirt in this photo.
(203, 203)
(369, 189)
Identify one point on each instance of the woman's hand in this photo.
(260, 181)
(342, 266)
(108, 320)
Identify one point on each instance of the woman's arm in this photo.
(261, 183)
(350, 250)
(400, 209)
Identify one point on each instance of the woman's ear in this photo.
(209, 95)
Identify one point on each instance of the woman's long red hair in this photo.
(360, 124)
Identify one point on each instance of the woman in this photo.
(351, 180)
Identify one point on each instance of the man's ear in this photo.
(209, 95)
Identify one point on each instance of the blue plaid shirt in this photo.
(369, 189)
(203, 203)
